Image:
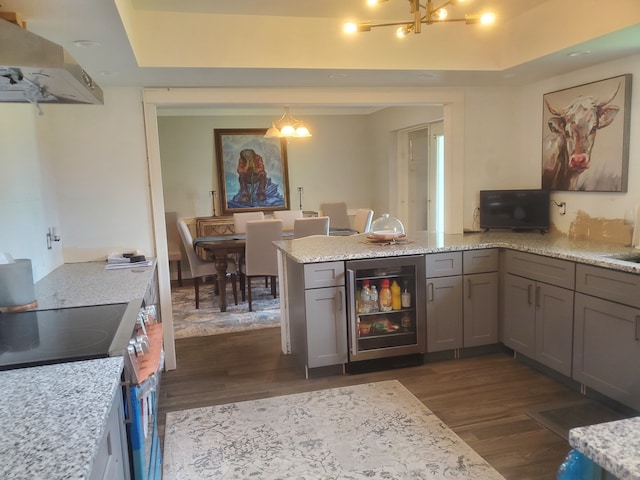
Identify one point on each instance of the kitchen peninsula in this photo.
(64, 420)
(601, 277)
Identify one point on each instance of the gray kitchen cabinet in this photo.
(538, 316)
(112, 459)
(444, 313)
(317, 312)
(480, 309)
(444, 301)
(326, 326)
(607, 333)
(462, 310)
(480, 304)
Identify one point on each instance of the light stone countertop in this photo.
(53, 417)
(615, 446)
(89, 283)
(319, 248)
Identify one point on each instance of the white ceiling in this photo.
(113, 63)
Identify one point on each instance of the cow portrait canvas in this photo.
(585, 138)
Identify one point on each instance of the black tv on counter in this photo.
(515, 209)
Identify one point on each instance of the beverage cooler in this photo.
(386, 313)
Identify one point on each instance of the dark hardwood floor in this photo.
(483, 399)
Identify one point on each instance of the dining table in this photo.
(221, 246)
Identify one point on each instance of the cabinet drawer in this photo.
(611, 285)
(544, 269)
(443, 264)
(480, 261)
(320, 275)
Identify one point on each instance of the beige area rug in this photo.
(560, 418)
(370, 431)
(208, 320)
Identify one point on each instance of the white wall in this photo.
(28, 203)
(330, 166)
(102, 177)
(81, 169)
(597, 204)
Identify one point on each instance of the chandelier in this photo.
(422, 14)
(287, 127)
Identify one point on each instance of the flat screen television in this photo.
(515, 209)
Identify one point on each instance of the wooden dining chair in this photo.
(362, 220)
(287, 217)
(303, 227)
(261, 256)
(203, 268)
(337, 212)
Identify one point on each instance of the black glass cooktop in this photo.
(44, 337)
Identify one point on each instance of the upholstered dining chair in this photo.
(261, 257)
(240, 220)
(362, 220)
(287, 217)
(303, 227)
(337, 212)
(203, 268)
(174, 242)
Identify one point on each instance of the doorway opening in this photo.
(421, 187)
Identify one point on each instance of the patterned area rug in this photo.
(208, 320)
(371, 431)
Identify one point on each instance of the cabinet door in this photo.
(326, 327)
(444, 313)
(480, 309)
(554, 327)
(606, 348)
(519, 314)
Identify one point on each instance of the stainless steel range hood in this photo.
(35, 70)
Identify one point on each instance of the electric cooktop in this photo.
(43, 337)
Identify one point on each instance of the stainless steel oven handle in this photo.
(351, 279)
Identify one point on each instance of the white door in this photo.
(421, 189)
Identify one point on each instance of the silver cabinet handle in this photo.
(351, 278)
(538, 296)
(431, 295)
(529, 289)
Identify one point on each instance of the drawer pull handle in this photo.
(431, 296)
(537, 296)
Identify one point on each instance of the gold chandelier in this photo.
(287, 127)
(422, 14)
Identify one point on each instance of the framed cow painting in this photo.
(585, 136)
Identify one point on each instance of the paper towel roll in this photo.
(16, 284)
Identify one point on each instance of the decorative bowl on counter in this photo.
(386, 228)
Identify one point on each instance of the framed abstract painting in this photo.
(585, 136)
(252, 170)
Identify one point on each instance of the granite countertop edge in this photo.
(612, 445)
(53, 417)
(317, 249)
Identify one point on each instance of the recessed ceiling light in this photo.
(579, 53)
(426, 76)
(335, 76)
(86, 43)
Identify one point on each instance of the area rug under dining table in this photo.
(373, 431)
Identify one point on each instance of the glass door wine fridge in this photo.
(386, 307)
